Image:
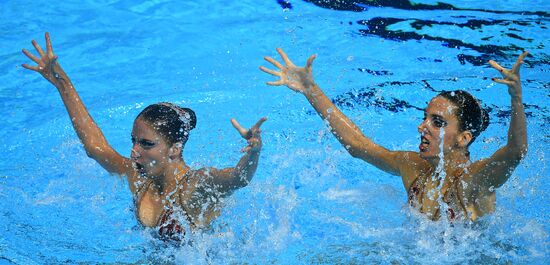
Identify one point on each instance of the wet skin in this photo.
(149, 150)
(473, 182)
(439, 115)
(153, 160)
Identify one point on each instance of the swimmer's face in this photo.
(438, 116)
(150, 151)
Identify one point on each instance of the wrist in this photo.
(254, 150)
(516, 97)
(311, 89)
(58, 77)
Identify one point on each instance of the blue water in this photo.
(310, 202)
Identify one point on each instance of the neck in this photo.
(452, 161)
(167, 181)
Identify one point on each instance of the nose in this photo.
(422, 126)
(135, 154)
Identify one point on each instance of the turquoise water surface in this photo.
(310, 201)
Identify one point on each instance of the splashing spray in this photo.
(439, 175)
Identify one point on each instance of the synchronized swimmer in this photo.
(166, 191)
(452, 120)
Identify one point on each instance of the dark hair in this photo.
(169, 120)
(471, 115)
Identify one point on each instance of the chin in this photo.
(428, 156)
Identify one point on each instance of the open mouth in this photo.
(139, 167)
(424, 143)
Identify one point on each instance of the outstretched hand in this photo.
(47, 63)
(252, 135)
(299, 79)
(510, 77)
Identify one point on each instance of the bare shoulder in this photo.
(204, 175)
(410, 161)
(204, 172)
(474, 176)
(409, 156)
(477, 166)
(133, 178)
(203, 182)
(194, 175)
(193, 181)
(411, 166)
(480, 199)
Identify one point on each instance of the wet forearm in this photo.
(517, 133)
(245, 169)
(85, 127)
(340, 125)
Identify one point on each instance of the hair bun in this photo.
(484, 118)
(192, 118)
(470, 113)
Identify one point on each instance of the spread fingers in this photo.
(502, 81)
(34, 68)
(310, 61)
(259, 123)
(242, 131)
(38, 49)
(269, 71)
(31, 56)
(49, 48)
(276, 83)
(285, 57)
(496, 66)
(273, 61)
(519, 61)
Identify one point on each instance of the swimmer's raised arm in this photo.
(89, 133)
(495, 170)
(300, 79)
(229, 179)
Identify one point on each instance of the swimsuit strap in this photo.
(168, 211)
(169, 227)
(415, 191)
(140, 190)
(138, 195)
(187, 179)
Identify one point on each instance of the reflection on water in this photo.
(479, 38)
(363, 5)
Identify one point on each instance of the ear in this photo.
(175, 150)
(464, 138)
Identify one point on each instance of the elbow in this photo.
(239, 184)
(355, 150)
(93, 151)
(93, 155)
(245, 179)
(519, 152)
(242, 184)
(90, 151)
(241, 179)
(90, 154)
(523, 151)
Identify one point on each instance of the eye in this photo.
(146, 144)
(439, 122)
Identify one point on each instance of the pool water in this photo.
(310, 202)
